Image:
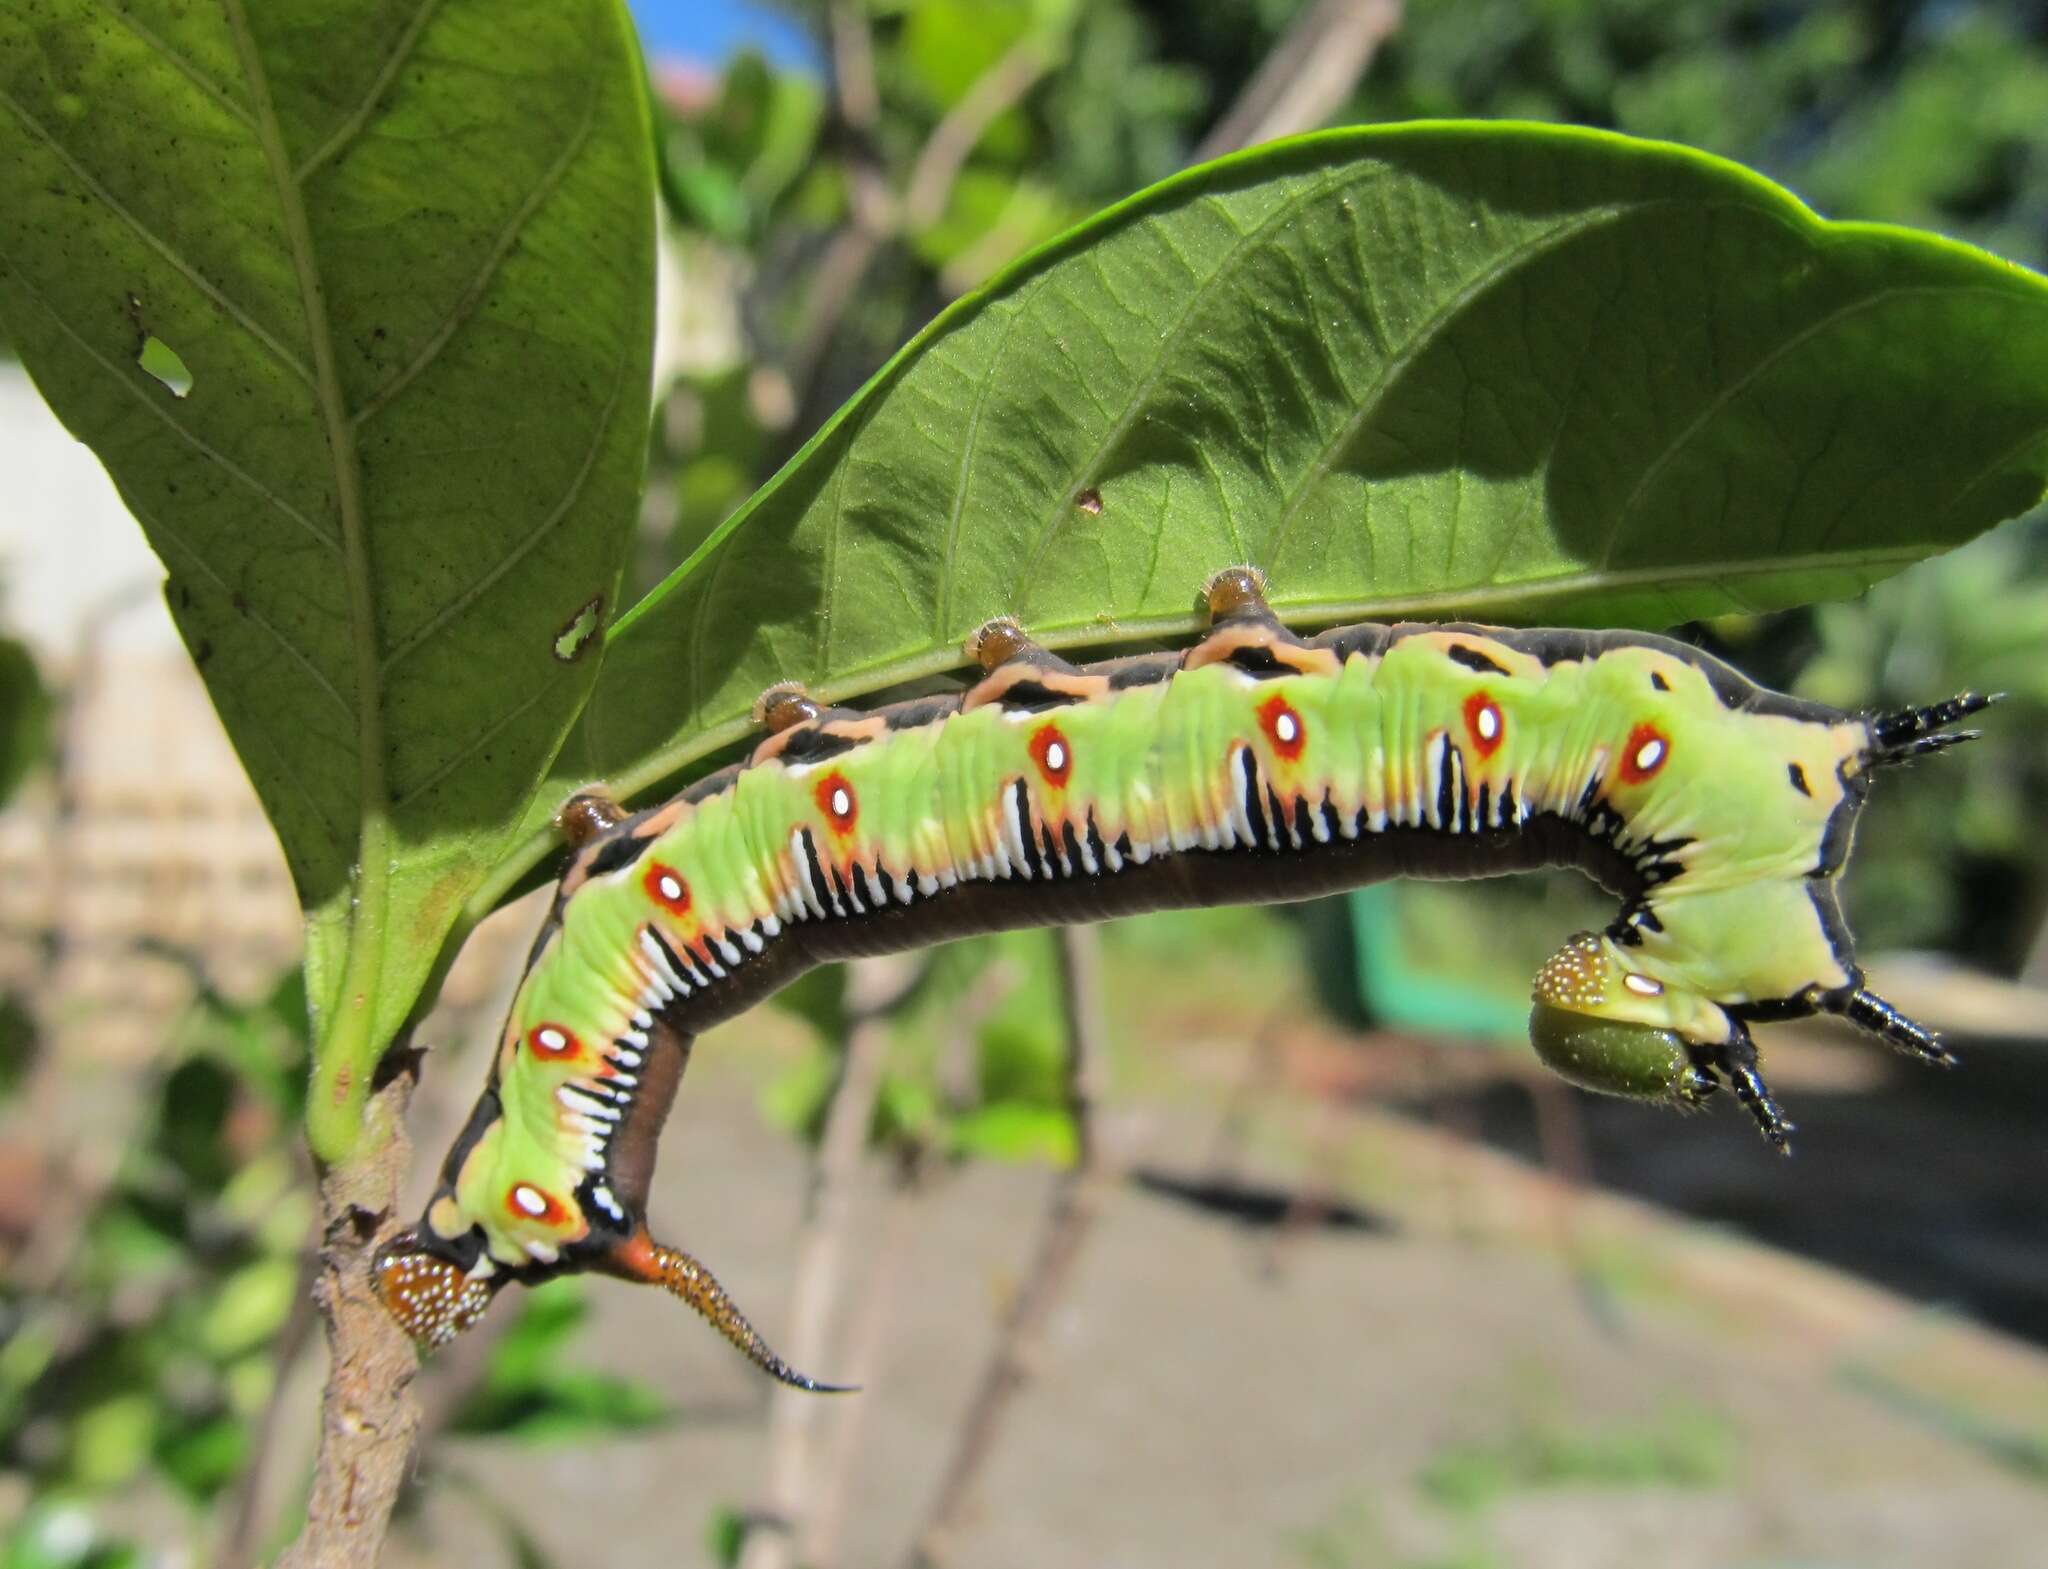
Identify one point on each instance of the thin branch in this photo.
(875, 986)
(994, 93)
(866, 1340)
(1306, 76)
(853, 66)
(244, 1509)
(1077, 1196)
(879, 218)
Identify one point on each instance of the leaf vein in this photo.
(156, 526)
(472, 296)
(1729, 390)
(185, 269)
(352, 124)
(505, 563)
(178, 62)
(129, 384)
(1419, 339)
(1142, 388)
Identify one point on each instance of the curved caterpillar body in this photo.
(1257, 765)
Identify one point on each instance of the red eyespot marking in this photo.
(552, 1043)
(1483, 722)
(527, 1202)
(666, 887)
(1283, 727)
(1646, 752)
(1055, 758)
(836, 800)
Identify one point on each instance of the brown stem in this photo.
(1307, 75)
(1076, 1198)
(369, 1418)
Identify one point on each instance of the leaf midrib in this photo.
(370, 894)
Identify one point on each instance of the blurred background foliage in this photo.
(822, 207)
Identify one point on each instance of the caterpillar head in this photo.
(1602, 1026)
(433, 1299)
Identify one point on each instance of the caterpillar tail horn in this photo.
(653, 1263)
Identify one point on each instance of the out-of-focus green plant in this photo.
(1903, 111)
(532, 1390)
(1952, 856)
(975, 1057)
(144, 1351)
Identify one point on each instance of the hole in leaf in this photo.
(160, 360)
(579, 630)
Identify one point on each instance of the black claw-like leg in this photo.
(1868, 1011)
(1735, 1061)
(1914, 732)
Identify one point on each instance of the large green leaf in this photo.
(1509, 372)
(353, 299)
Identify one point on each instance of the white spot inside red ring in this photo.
(552, 1043)
(666, 887)
(1484, 723)
(1285, 732)
(1647, 751)
(527, 1200)
(837, 801)
(1050, 751)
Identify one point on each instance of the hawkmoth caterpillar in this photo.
(1256, 765)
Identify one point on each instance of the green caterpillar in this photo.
(1257, 765)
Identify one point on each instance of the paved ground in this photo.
(1429, 1381)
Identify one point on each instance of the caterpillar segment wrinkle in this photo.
(1256, 765)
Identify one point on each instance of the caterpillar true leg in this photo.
(1915, 732)
(1868, 1011)
(1735, 1060)
(653, 1263)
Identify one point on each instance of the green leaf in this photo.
(24, 716)
(402, 253)
(1014, 1131)
(1515, 373)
